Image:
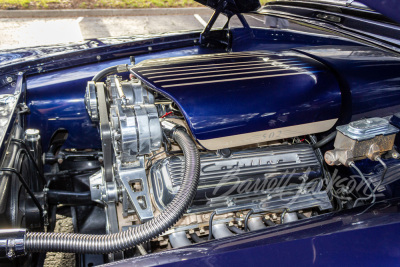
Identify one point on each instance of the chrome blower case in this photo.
(263, 179)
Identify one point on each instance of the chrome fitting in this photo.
(170, 127)
(122, 68)
(12, 243)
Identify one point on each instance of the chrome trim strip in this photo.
(205, 56)
(234, 79)
(253, 66)
(152, 71)
(192, 59)
(219, 75)
(267, 135)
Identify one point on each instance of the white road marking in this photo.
(77, 21)
(199, 19)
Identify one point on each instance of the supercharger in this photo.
(131, 131)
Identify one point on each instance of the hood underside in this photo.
(239, 98)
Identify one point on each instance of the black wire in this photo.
(67, 173)
(365, 180)
(50, 181)
(210, 225)
(24, 151)
(385, 168)
(53, 218)
(25, 185)
(352, 165)
(151, 158)
(246, 220)
(167, 143)
(74, 219)
(327, 174)
(28, 153)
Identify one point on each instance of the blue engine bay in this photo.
(235, 146)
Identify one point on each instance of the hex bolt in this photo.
(11, 254)
(9, 79)
(60, 161)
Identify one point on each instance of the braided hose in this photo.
(111, 243)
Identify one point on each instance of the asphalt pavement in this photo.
(22, 31)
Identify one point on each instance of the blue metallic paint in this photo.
(364, 24)
(359, 237)
(389, 8)
(216, 109)
(367, 236)
(45, 59)
(278, 40)
(56, 100)
(358, 69)
(370, 77)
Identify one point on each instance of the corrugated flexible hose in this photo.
(111, 243)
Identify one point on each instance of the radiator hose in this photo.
(111, 243)
(110, 71)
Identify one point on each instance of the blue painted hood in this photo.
(251, 96)
(389, 8)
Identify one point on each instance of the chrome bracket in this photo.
(134, 182)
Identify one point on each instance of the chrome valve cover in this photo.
(274, 177)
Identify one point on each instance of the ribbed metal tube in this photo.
(103, 244)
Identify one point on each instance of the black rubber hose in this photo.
(236, 230)
(210, 225)
(246, 220)
(301, 216)
(268, 222)
(56, 197)
(110, 71)
(196, 238)
(325, 140)
(112, 243)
